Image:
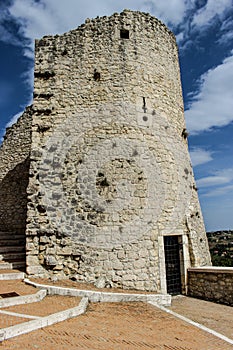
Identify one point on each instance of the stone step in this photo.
(5, 265)
(12, 256)
(11, 275)
(18, 264)
(10, 242)
(12, 249)
(12, 236)
(10, 233)
(2, 231)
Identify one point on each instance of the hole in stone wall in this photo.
(64, 53)
(42, 128)
(144, 105)
(185, 134)
(96, 75)
(41, 209)
(104, 183)
(43, 111)
(45, 96)
(44, 75)
(124, 34)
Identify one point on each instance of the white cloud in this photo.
(8, 37)
(221, 177)
(14, 119)
(227, 24)
(34, 18)
(173, 13)
(180, 37)
(5, 32)
(221, 191)
(57, 16)
(226, 38)
(28, 77)
(45, 17)
(226, 32)
(195, 22)
(200, 156)
(212, 9)
(212, 181)
(213, 105)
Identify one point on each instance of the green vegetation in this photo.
(221, 247)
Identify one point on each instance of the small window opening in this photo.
(144, 105)
(124, 34)
(96, 75)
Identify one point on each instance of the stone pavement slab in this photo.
(217, 317)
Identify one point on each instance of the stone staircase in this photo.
(12, 251)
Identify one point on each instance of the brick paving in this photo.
(7, 321)
(49, 305)
(16, 286)
(217, 317)
(120, 326)
(124, 326)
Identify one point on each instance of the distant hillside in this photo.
(221, 247)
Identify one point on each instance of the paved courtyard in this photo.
(117, 326)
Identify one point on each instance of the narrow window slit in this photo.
(96, 75)
(124, 34)
(144, 105)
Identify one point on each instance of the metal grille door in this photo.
(172, 261)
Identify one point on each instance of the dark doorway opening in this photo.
(172, 262)
(13, 215)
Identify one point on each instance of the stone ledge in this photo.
(94, 296)
(25, 299)
(41, 322)
(12, 276)
(211, 269)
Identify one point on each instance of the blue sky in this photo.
(204, 31)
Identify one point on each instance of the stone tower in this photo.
(111, 193)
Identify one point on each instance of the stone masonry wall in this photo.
(110, 171)
(14, 174)
(198, 243)
(213, 283)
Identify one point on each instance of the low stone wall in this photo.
(211, 283)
